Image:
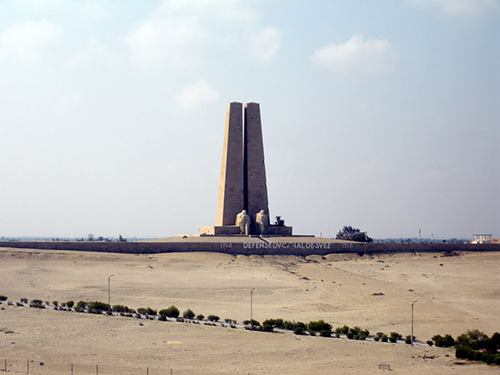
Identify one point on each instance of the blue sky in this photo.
(380, 115)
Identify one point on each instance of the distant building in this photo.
(482, 238)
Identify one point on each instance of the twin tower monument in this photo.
(243, 205)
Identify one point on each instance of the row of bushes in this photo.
(472, 345)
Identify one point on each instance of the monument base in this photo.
(233, 230)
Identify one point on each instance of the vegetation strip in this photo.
(473, 345)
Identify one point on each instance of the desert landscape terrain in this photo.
(453, 292)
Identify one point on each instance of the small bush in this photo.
(70, 304)
(288, 325)
(37, 303)
(267, 328)
(171, 312)
(325, 333)
(376, 338)
(55, 303)
(299, 330)
(188, 314)
(430, 342)
(394, 337)
(318, 326)
(443, 342)
(97, 305)
(200, 316)
(146, 311)
(350, 335)
(80, 306)
(384, 338)
(163, 318)
(213, 318)
(345, 329)
(3, 298)
(121, 309)
(24, 300)
(408, 340)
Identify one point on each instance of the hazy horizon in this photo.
(383, 116)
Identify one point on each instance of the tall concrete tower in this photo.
(243, 172)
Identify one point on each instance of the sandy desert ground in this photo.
(453, 294)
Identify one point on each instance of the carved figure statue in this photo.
(243, 221)
(261, 222)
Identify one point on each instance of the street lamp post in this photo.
(412, 321)
(109, 294)
(251, 309)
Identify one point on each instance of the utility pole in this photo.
(412, 321)
(251, 309)
(109, 294)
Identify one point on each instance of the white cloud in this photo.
(357, 55)
(463, 7)
(197, 93)
(29, 41)
(228, 10)
(177, 41)
(265, 44)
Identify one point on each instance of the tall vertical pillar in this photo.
(255, 185)
(231, 193)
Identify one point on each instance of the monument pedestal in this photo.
(233, 230)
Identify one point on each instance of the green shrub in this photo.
(473, 339)
(162, 318)
(288, 325)
(188, 314)
(97, 305)
(213, 318)
(320, 325)
(408, 339)
(80, 306)
(394, 337)
(345, 329)
(483, 357)
(267, 328)
(200, 316)
(55, 303)
(275, 323)
(384, 338)
(171, 312)
(490, 359)
(121, 308)
(496, 359)
(350, 335)
(299, 330)
(325, 333)
(460, 352)
(430, 342)
(444, 342)
(146, 311)
(376, 338)
(70, 304)
(37, 303)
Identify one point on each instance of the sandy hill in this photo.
(453, 294)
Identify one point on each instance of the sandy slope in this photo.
(453, 293)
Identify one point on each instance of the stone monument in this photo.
(243, 185)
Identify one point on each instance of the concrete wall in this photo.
(245, 248)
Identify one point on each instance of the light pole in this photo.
(412, 321)
(109, 294)
(251, 309)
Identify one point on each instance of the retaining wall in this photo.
(246, 248)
